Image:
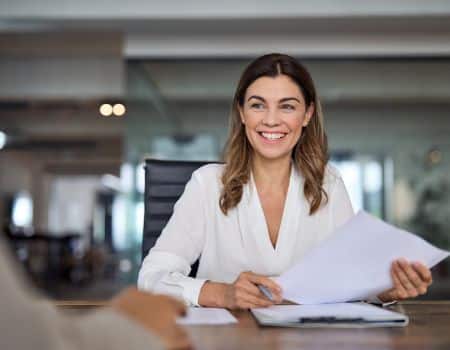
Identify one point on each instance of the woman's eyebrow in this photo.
(289, 98)
(257, 97)
(281, 100)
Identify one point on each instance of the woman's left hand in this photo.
(410, 280)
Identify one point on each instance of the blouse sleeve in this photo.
(165, 269)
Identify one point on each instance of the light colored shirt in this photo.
(230, 244)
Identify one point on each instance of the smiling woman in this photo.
(275, 198)
(275, 95)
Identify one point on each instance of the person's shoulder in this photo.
(332, 174)
(209, 173)
(211, 169)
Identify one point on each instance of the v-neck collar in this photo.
(255, 232)
(262, 217)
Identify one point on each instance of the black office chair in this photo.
(164, 183)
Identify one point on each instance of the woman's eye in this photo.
(257, 105)
(288, 107)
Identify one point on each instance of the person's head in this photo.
(275, 115)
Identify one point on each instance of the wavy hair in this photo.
(310, 154)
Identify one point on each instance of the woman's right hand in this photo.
(244, 293)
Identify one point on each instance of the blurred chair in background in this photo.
(164, 183)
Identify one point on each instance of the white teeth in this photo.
(272, 136)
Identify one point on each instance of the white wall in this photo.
(67, 66)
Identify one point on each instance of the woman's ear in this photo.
(309, 113)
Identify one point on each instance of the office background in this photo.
(88, 90)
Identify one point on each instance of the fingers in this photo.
(399, 291)
(245, 292)
(266, 282)
(410, 280)
(251, 288)
(174, 305)
(403, 275)
(179, 306)
(247, 301)
(424, 272)
(248, 288)
(156, 313)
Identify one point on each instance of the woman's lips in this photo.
(272, 137)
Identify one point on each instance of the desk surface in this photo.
(429, 328)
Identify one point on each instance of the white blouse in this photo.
(228, 245)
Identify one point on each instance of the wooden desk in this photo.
(429, 328)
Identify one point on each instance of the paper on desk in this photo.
(206, 316)
(354, 263)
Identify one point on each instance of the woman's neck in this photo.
(271, 174)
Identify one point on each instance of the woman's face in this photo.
(273, 114)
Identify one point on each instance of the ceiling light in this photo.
(119, 109)
(106, 109)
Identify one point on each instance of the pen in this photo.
(265, 291)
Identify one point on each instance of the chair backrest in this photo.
(165, 181)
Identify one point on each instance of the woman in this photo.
(275, 198)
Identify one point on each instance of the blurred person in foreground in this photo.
(135, 320)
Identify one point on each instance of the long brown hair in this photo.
(310, 154)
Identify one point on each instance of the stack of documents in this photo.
(342, 315)
(354, 263)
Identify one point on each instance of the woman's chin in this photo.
(273, 155)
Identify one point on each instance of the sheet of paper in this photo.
(207, 316)
(354, 263)
(291, 313)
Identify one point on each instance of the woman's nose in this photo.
(271, 118)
